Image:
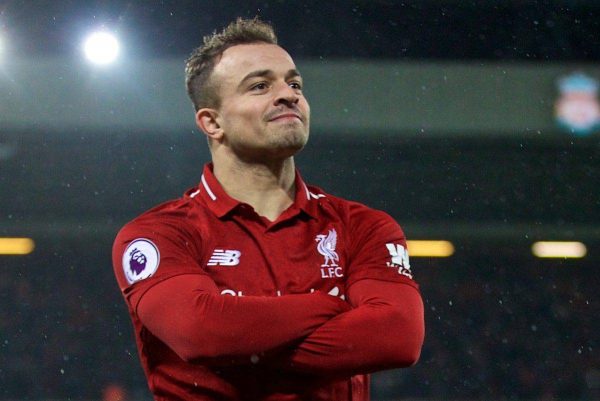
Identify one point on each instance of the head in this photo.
(202, 90)
(247, 92)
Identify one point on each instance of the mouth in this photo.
(285, 117)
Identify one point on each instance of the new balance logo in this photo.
(399, 259)
(226, 257)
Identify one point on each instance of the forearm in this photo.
(374, 336)
(196, 322)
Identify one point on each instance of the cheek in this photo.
(304, 105)
(245, 113)
(233, 119)
(242, 123)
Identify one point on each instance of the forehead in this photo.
(237, 61)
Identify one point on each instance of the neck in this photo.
(267, 187)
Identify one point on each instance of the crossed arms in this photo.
(381, 327)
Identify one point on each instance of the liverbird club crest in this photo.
(326, 244)
(577, 109)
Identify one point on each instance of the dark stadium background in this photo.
(501, 324)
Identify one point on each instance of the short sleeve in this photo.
(148, 251)
(378, 248)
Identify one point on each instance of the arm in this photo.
(180, 304)
(386, 327)
(188, 314)
(385, 330)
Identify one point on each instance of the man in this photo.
(254, 285)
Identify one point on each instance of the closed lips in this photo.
(286, 115)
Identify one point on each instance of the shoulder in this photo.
(161, 215)
(169, 220)
(162, 236)
(356, 214)
(375, 242)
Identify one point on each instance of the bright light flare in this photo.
(430, 249)
(16, 246)
(559, 249)
(101, 48)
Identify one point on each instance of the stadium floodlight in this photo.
(101, 48)
(559, 249)
(16, 246)
(430, 248)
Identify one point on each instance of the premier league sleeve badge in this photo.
(140, 260)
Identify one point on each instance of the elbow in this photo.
(406, 340)
(196, 344)
(190, 351)
(193, 348)
(212, 354)
(190, 341)
(407, 355)
(194, 355)
(185, 355)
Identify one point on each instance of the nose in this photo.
(286, 95)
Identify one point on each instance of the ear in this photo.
(206, 120)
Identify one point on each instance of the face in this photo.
(263, 113)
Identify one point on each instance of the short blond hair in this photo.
(201, 63)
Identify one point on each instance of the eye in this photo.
(295, 85)
(260, 86)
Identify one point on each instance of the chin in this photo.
(297, 144)
(294, 139)
(287, 151)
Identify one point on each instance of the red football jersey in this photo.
(320, 244)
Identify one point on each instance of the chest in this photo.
(247, 259)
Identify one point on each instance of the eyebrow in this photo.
(265, 73)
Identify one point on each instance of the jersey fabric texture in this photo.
(257, 290)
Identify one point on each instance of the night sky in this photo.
(491, 30)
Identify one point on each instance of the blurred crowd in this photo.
(498, 327)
